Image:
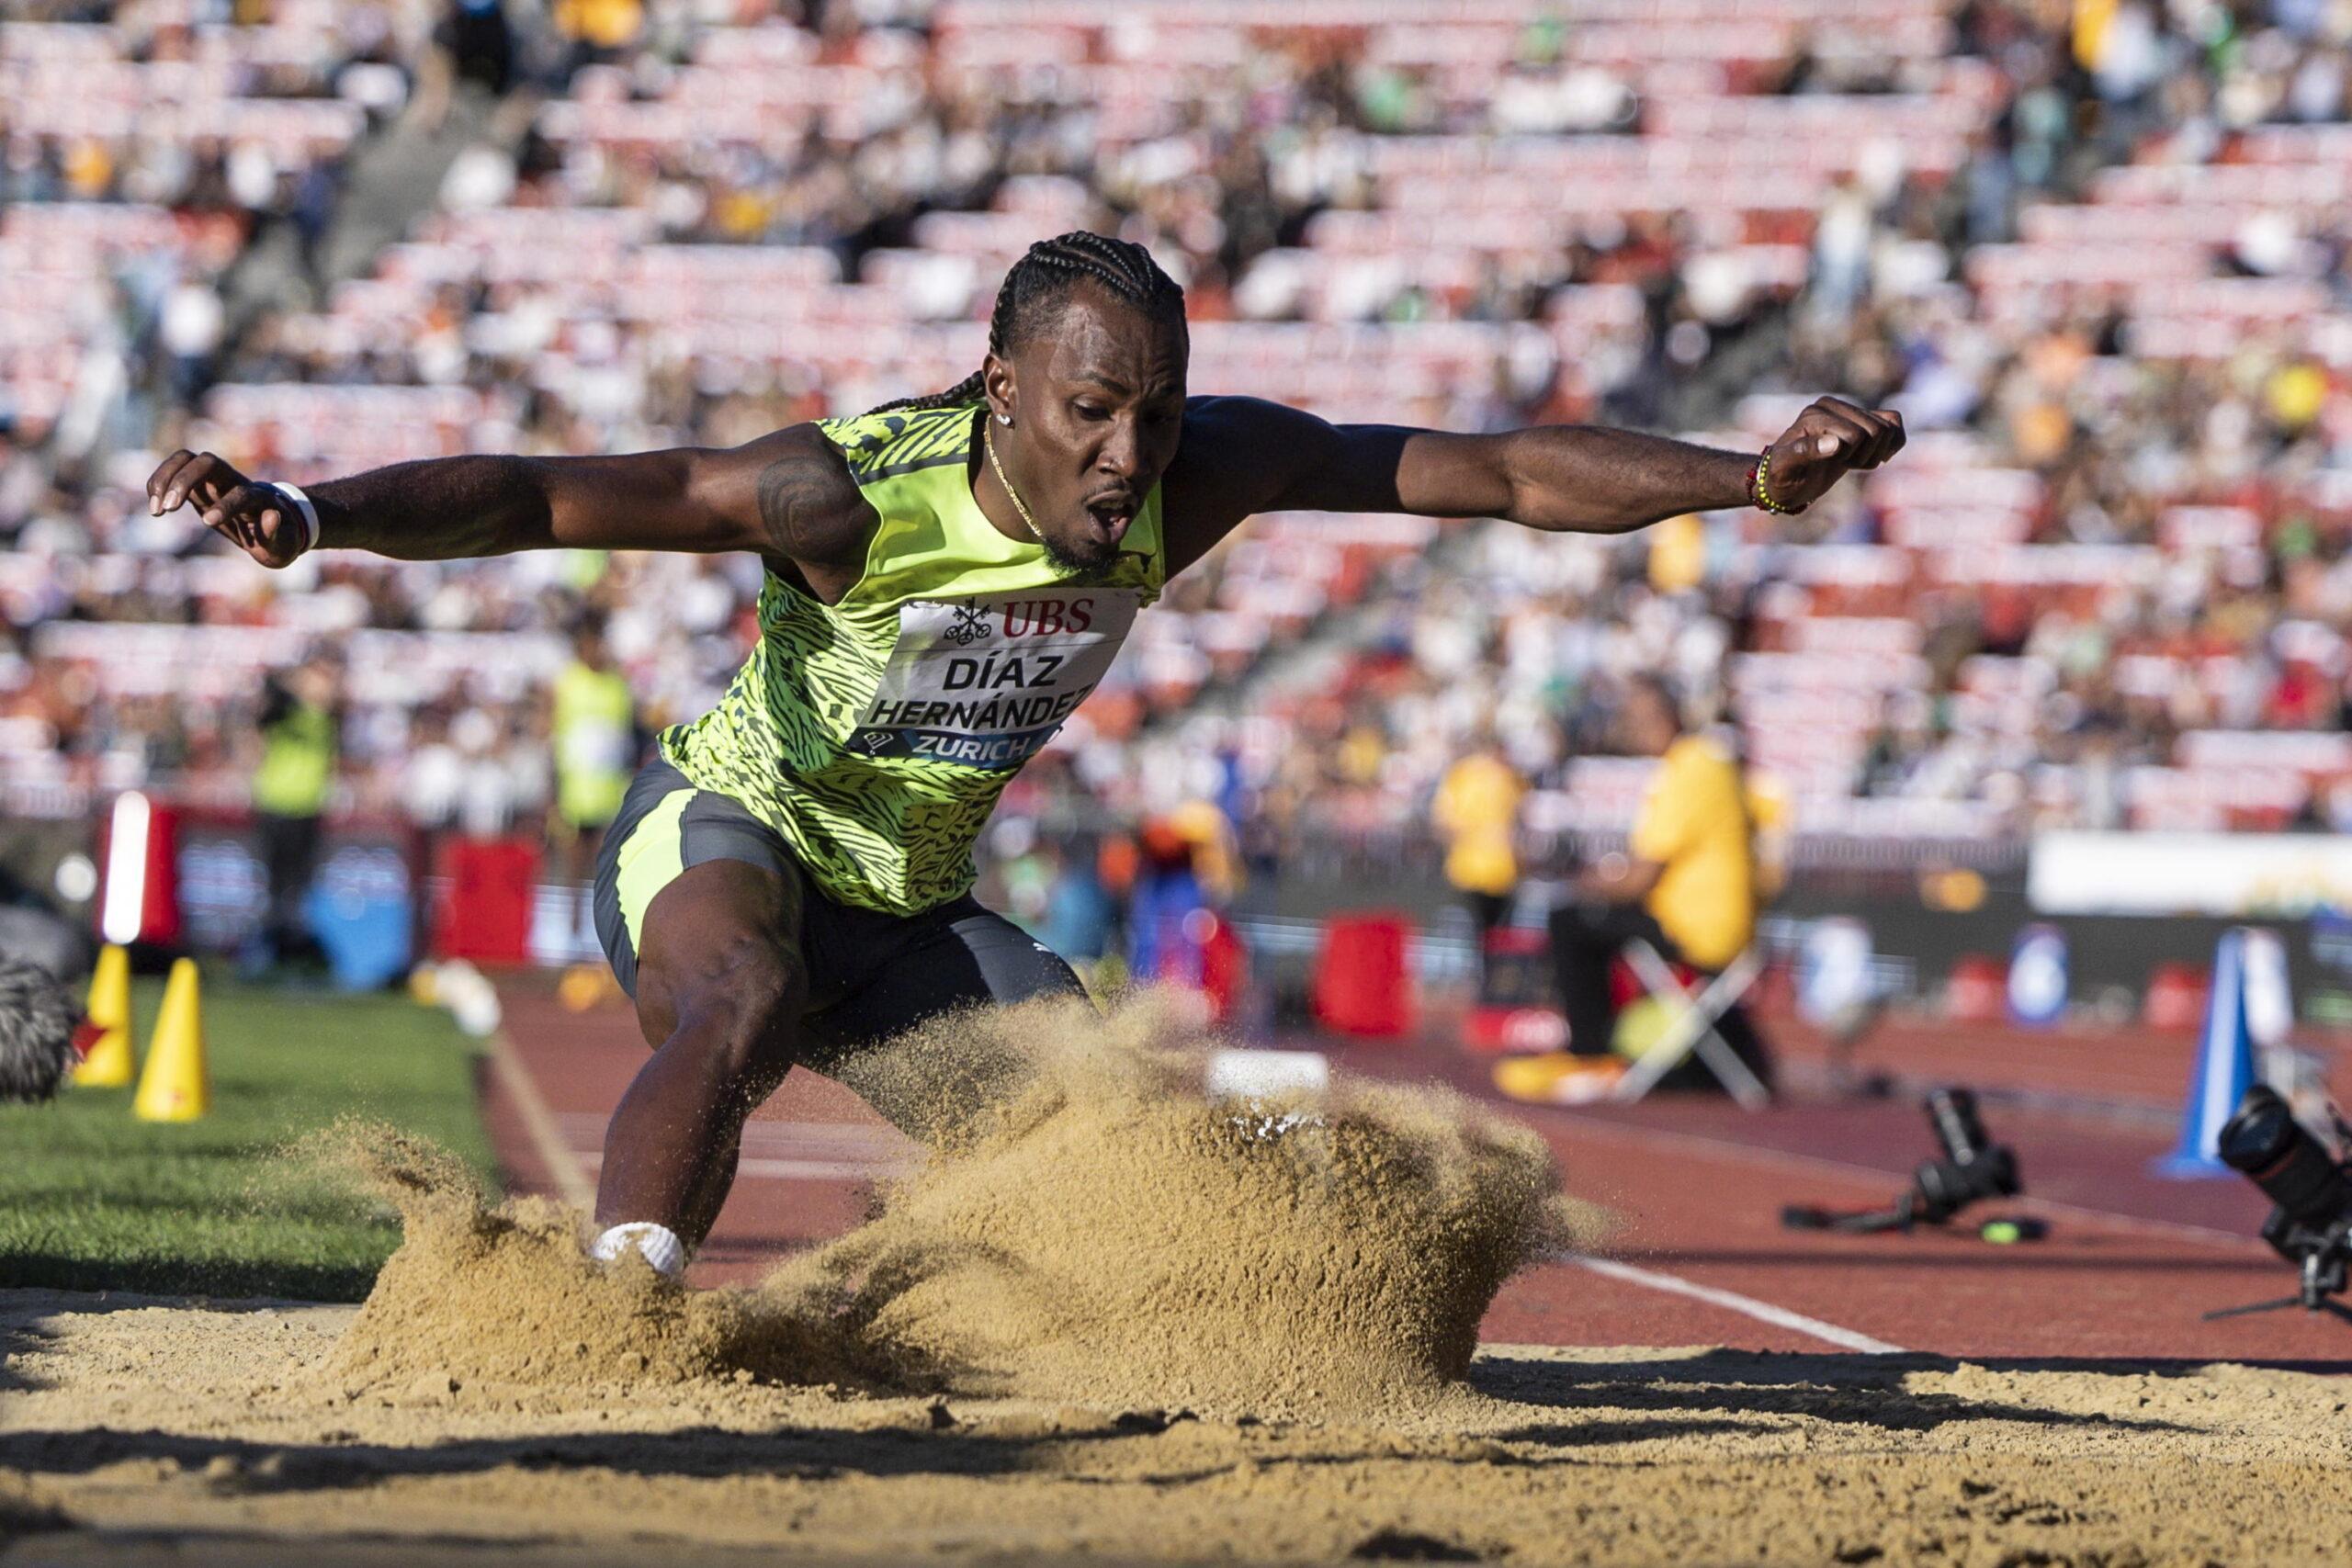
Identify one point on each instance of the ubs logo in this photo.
(970, 625)
(1048, 617)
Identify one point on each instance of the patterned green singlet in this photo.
(876, 734)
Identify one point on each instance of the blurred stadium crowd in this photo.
(2094, 250)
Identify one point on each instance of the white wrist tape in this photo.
(309, 514)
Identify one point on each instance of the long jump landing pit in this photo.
(137, 1431)
(1122, 1325)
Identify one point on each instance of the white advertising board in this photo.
(2232, 875)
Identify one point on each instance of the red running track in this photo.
(1699, 1256)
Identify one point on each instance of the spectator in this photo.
(292, 787)
(479, 44)
(598, 30)
(1079, 916)
(1687, 887)
(189, 332)
(597, 749)
(1167, 890)
(1188, 870)
(2102, 267)
(1476, 813)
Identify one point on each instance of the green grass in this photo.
(93, 1199)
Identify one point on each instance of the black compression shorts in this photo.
(871, 975)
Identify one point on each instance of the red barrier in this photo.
(159, 918)
(1977, 991)
(484, 909)
(138, 846)
(1225, 972)
(1364, 984)
(2176, 997)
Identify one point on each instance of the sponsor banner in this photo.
(2233, 876)
(986, 680)
(362, 893)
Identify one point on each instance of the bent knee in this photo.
(756, 988)
(744, 1007)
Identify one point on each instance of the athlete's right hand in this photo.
(254, 518)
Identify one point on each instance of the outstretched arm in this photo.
(1242, 455)
(788, 494)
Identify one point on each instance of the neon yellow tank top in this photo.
(875, 735)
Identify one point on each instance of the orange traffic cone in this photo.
(172, 1088)
(109, 1063)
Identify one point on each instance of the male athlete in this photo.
(947, 578)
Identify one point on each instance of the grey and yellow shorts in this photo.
(871, 975)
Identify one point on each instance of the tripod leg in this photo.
(2280, 1304)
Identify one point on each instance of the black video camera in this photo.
(1973, 1168)
(2310, 1189)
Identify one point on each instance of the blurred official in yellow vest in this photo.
(292, 786)
(597, 741)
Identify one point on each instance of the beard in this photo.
(1089, 556)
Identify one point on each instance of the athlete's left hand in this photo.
(1828, 439)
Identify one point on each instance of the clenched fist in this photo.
(259, 519)
(1828, 440)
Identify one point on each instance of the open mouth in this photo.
(1112, 513)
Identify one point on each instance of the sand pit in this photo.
(1113, 1322)
(1106, 1232)
(132, 1431)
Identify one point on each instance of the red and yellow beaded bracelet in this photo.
(1758, 472)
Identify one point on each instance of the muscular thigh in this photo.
(717, 926)
(691, 889)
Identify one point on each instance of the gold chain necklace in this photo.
(988, 439)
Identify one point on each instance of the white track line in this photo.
(570, 1183)
(802, 1170)
(849, 1141)
(780, 1151)
(1731, 1301)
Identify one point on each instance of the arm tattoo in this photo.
(802, 510)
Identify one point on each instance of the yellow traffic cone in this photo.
(109, 1063)
(172, 1088)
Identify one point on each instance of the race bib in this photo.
(986, 680)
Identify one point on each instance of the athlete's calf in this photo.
(721, 985)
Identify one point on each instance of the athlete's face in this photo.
(1097, 403)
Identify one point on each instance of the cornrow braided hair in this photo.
(1038, 283)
